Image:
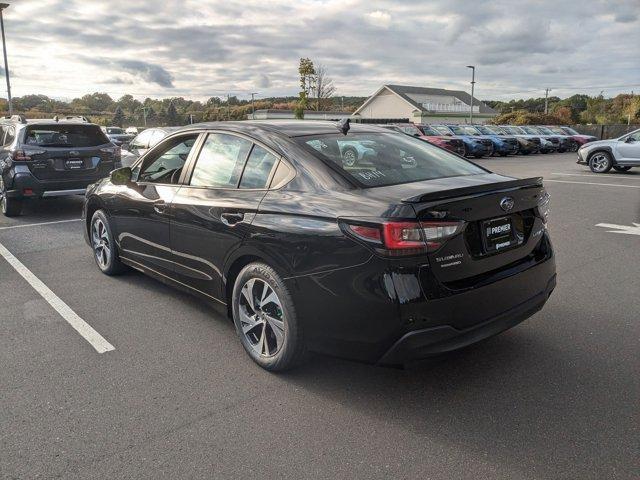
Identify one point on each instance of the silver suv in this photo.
(618, 153)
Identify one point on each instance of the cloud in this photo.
(263, 81)
(202, 48)
(147, 71)
(379, 19)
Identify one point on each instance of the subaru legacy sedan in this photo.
(408, 253)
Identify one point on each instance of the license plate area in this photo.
(74, 164)
(498, 234)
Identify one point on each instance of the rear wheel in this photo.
(600, 162)
(11, 207)
(105, 251)
(620, 168)
(265, 318)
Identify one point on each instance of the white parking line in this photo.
(83, 328)
(593, 183)
(617, 177)
(38, 224)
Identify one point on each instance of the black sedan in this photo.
(409, 253)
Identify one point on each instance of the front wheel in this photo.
(265, 318)
(620, 168)
(600, 162)
(105, 251)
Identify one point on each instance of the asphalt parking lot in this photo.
(177, 397)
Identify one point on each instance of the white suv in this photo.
(621, 153)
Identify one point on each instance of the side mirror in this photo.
(629, 139)
(121, 176)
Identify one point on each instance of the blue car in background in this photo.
(502, 145)
(474, 146)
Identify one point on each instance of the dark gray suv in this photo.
(50, 158)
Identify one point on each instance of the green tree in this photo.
(172, 115)
(118, 117)
(307, 73)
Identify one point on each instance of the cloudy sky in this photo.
(200, 48)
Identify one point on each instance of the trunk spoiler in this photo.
(475, 190)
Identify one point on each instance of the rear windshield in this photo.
(378, 159)
(59, 135)
(114, 131)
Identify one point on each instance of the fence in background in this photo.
(605, 131)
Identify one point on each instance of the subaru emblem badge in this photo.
(506, 204)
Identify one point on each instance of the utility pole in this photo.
(6, 65)
(191, 118)
(473, 84)
(228, 108)
(342, 104)
(546, 100)
(144, 115)
(253, 108)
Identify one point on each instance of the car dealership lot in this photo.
(555, 397)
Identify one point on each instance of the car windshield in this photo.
(114, 131)
(429, 130)
(531, 130)
(60, 135)
(387, 158)
(464, 130)
(570, 130)
(557, 130)
(443, 130)
(545, 130)
(485, 130)
(514, 130)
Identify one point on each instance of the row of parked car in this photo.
(486, 140)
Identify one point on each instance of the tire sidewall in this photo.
(285, 358)
(112, 260)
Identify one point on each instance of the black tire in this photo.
(103, 245)
(620, 168)
(10, 207)
(255, 322)
(478, 156)
(600, 162)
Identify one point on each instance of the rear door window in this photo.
(388, 158)
(65, 135)
(220, 161)
(258, 169)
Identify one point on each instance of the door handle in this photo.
(160, 207)
(232, 218)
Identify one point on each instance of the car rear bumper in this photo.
(25, 185)
(423, 343)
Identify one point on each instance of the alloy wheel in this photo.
(3, 197)
(600, 162)
(101, 243)
(261, 317)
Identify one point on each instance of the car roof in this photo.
(289, 128)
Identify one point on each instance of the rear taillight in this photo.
(24, 155)
(404, 238)
(115, 151)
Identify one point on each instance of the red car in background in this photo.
(426, 132)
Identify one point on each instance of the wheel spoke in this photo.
(271, 298)
(247, 293)
(249, 322)
(263, 344)
(277, 327)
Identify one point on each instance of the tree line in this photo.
(316, 93)
(576, 109)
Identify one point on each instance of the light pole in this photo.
(6, 65)
(253, 108)
(473, 84)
